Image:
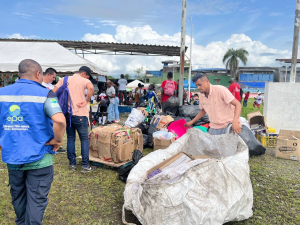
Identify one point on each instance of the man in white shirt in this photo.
(122, 89)
(258, 101)
(48, 77)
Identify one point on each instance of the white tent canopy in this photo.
(135, 83)
(46, 54)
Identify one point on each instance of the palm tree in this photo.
(232, 58)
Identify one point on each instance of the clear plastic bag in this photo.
(163, 135)
(134, 118)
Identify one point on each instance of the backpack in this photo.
(169, 88)
(63, 96)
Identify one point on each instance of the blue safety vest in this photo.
(24, 127)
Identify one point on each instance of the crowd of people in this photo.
(64, 107)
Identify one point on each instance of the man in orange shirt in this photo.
(220, 105)
(79, 120)
(235, 89)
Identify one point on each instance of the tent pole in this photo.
(190, 69)
(182, 51)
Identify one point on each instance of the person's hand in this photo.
(55, 144)
(236, 126)
(82, 104)
(187, 125)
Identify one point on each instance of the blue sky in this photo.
(215, 21)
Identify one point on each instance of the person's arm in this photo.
(59, 127)
(113, 94)
(198, 117)
(59, 83)
(53, 110)
(90, 91)
(236, 124)
(162, 90)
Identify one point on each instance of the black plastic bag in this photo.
(151, 130)
(171, 106)
(145, 140)
(202, 121)
(124, 172)
(143, 104)
(144, 127)
(255, 147)
(150, 140)
(189, 111)
(187, 119)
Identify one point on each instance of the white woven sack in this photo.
(209, 192)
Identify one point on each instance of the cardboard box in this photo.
(167, 162)
(201, 157)
(160, 122)
(162, 144)
(115, 143)
(288, 145)
(256, 118)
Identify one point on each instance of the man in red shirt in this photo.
(169, 88)
(235, 89)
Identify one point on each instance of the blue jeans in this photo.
(29, 190)
(79, 123)
(111, 112)
(117, 108)
(142, 99)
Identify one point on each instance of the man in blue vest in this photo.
(31, 130)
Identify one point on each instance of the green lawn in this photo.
(97, 198)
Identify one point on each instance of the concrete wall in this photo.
(282, 106)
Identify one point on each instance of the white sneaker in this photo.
(117, 121)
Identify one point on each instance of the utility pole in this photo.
(295, 43)
(190, 69)
(182, 52)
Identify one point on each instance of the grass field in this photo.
(97, 198)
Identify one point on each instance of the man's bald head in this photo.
(31, 70)
(29, 67)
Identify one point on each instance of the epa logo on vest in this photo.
(15, 111)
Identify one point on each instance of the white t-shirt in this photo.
(48, 86)
(259, 99)
(111, 91)
(122, 83)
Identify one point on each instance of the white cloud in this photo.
(19, 36)
(108, 22)
(23, 15)
(100, 37)
(207, 56)
(54, 20)
(90, 24)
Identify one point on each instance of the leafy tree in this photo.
(111, 77)
(140, 74)
(127, 76)
(231, 60)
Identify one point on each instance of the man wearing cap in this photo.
(235, 89)
(79, 120)
(219, 104)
